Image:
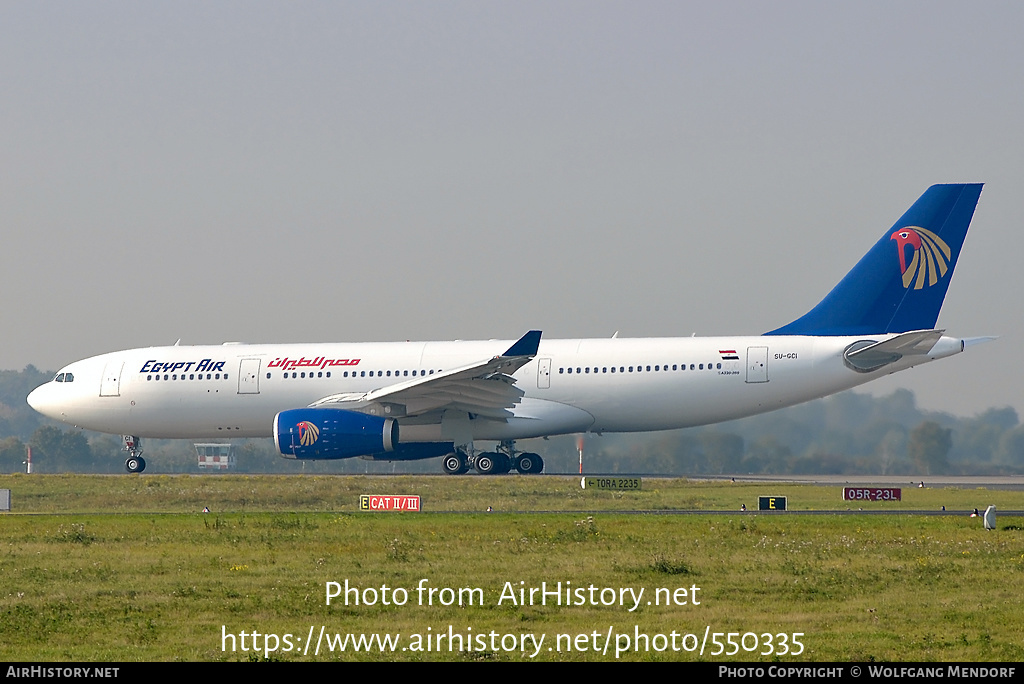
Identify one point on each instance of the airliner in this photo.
(415, 400)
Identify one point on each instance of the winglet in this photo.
(527, 345)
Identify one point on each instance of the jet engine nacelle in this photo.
(328, 433)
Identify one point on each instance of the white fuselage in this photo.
(597, 385)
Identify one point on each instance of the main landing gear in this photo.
(456, 463)
(133, 445)
(497, 462)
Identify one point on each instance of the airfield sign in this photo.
(614, 483)
(872, 494)
(771, 503)
(389, 502)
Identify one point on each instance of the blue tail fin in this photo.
(900, 284)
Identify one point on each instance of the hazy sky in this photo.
(300, 171)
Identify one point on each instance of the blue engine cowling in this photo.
(333, 433)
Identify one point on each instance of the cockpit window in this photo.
(69, 377)
(59, 378)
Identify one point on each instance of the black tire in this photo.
(529, 463)
(538, 464)
(487, 463)
(455, 464)
(525, 463)
(133, 464)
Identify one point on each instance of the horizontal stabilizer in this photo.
(868, 356)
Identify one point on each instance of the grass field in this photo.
(126, 568)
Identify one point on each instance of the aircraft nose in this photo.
(41, 399)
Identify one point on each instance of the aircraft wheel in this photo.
(455, 464)
(135, 464)
(538, 464)
(525, 463)
(487, 463)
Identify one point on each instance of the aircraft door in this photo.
(543, 373)
(757, 364)
(110, 383)
(249, 376)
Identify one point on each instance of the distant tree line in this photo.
(849, 433)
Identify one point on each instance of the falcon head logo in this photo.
(931, 256)
(308, 433)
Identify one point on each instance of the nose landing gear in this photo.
(133, 445)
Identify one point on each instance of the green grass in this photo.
(340, 493)
(80, 584)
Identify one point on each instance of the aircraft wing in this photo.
(485, 388)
